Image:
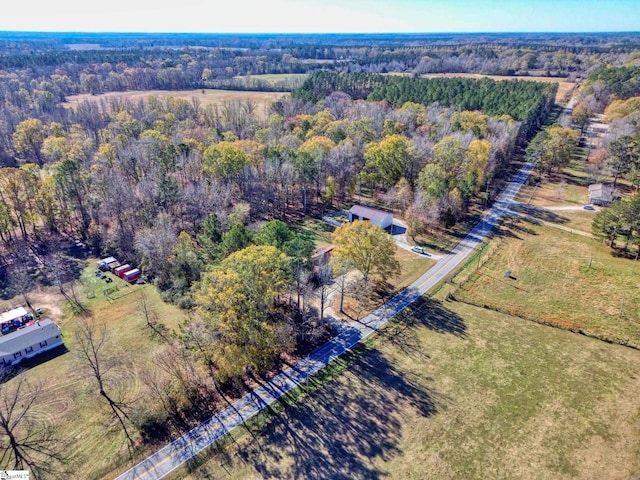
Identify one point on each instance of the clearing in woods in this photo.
(453, 391)
(92, 444)
(262, 100)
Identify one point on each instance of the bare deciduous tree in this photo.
(26, 438)
(93, 353)
(150, 317)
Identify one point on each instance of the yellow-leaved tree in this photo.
(366, 247)
(236, 302)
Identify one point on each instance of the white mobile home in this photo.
(28, 342)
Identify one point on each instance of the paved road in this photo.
(188, 445)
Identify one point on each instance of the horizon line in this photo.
(168, 32)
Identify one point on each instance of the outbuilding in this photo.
(16, 314)
(29, 341)
(132, 275)
(377, 217)
(113, 265)
(104, 263)
(121, 270)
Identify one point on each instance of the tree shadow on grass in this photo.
(433, 315)
(345, 425)
(540, 213)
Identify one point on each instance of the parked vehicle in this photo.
(420, 250)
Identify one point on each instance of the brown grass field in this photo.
(560, 278)
(453, 391)
(263, 100)
(274, 78)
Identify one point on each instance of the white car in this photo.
(419, 250)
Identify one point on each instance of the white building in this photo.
(15, 314)
(28, 342)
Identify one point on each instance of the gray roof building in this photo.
(377, 217)
(29, 341)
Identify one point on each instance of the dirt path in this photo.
(50, 302)
(551, 224)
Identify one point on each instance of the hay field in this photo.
(263, 100)
(452, 391)
(560, 278)
(274, 78)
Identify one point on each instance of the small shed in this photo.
(377, 217)
(28, 342)
(104, 263)
(132, 275)
(121, 270)
(602, 194)
(321, 256)
(113, 265)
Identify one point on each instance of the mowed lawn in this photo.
(568, 280)
(455, 392)
(262, 100)
(89, 440)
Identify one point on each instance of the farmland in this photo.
(276, 78)
(571, 281)
(501, 398)
(216, 98)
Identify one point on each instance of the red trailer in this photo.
(120, 271)
(132, 275)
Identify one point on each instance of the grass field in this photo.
(564, 87)
(92, 444)
(453, 391)
(559, 278)
(263, 100)
(275, 78)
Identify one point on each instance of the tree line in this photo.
(528, 102)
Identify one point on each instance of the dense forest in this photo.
(128, 177)
(122, 175)
(529, 102)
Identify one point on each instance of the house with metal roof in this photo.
(28, 342)
(377, 217)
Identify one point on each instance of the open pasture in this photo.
(218, 98)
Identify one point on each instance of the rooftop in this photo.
(601, 190)
(369, 213)
(12, 314)
(27, 336)
(107, 261)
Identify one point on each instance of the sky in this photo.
(321, 16)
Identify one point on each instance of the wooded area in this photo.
(208, 200)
